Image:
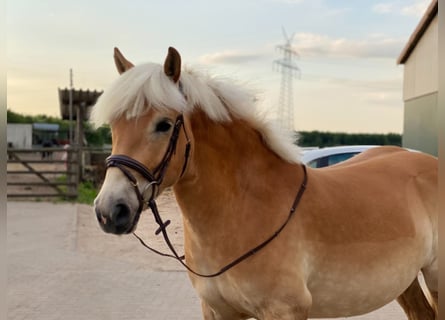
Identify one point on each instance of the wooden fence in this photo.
(43, 173)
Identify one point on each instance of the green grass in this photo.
(86, 193)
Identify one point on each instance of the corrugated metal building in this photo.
(420, 84)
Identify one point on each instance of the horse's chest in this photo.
(226, 295)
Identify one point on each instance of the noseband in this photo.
(155, 177)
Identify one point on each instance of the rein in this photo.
(155, 179)
(238, 260)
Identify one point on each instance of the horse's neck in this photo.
(233, 175)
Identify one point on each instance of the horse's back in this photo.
(375, 153)
(391, 166)
(387, 162)
(389, 177)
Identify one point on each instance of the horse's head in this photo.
(151, 109)
(150, 146)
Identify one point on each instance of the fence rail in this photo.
(39, 161)
(43, 172)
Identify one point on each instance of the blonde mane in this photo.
(220, 100)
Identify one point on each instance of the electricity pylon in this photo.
(289, 71)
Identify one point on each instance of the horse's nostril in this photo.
(120, 215)
(100, 217)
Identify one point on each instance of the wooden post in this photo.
(80, 117)
(73, 167)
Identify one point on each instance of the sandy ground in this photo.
(61, 265)
(91, 239)
(129, 249)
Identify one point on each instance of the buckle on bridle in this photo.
(154, 185)
(156, 176)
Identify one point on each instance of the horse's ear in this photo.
(172, 64)
(122, 64)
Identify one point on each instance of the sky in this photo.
(347, 51)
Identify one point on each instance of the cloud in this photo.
(393, 99)
(374, 46)
(383, 8)
(336, 12)
(381, 85)
(319, 6)
(289, 1)
(230, 57)
(415, 8)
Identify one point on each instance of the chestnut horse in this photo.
(289, 242)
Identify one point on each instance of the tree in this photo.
(330, 139)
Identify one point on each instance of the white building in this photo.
(420, 84)
(19, 135)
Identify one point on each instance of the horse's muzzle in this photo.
(118, 221)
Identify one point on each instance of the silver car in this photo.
(319, 158)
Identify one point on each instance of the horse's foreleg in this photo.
(431, 274)
(301, 315)
(208, 313)
(270, 313)
(415, 304)
(288, 307)
(434, 302)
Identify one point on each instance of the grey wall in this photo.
(420, 124)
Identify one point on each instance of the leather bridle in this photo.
(155, 178)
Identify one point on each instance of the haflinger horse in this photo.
(265, 237)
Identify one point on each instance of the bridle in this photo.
(155, 178)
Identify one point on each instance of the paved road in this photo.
(51, 277)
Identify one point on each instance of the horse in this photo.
(264, 236)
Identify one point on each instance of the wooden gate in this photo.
(43, 173)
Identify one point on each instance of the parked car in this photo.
(319, 158)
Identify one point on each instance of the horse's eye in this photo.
(163, 126)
